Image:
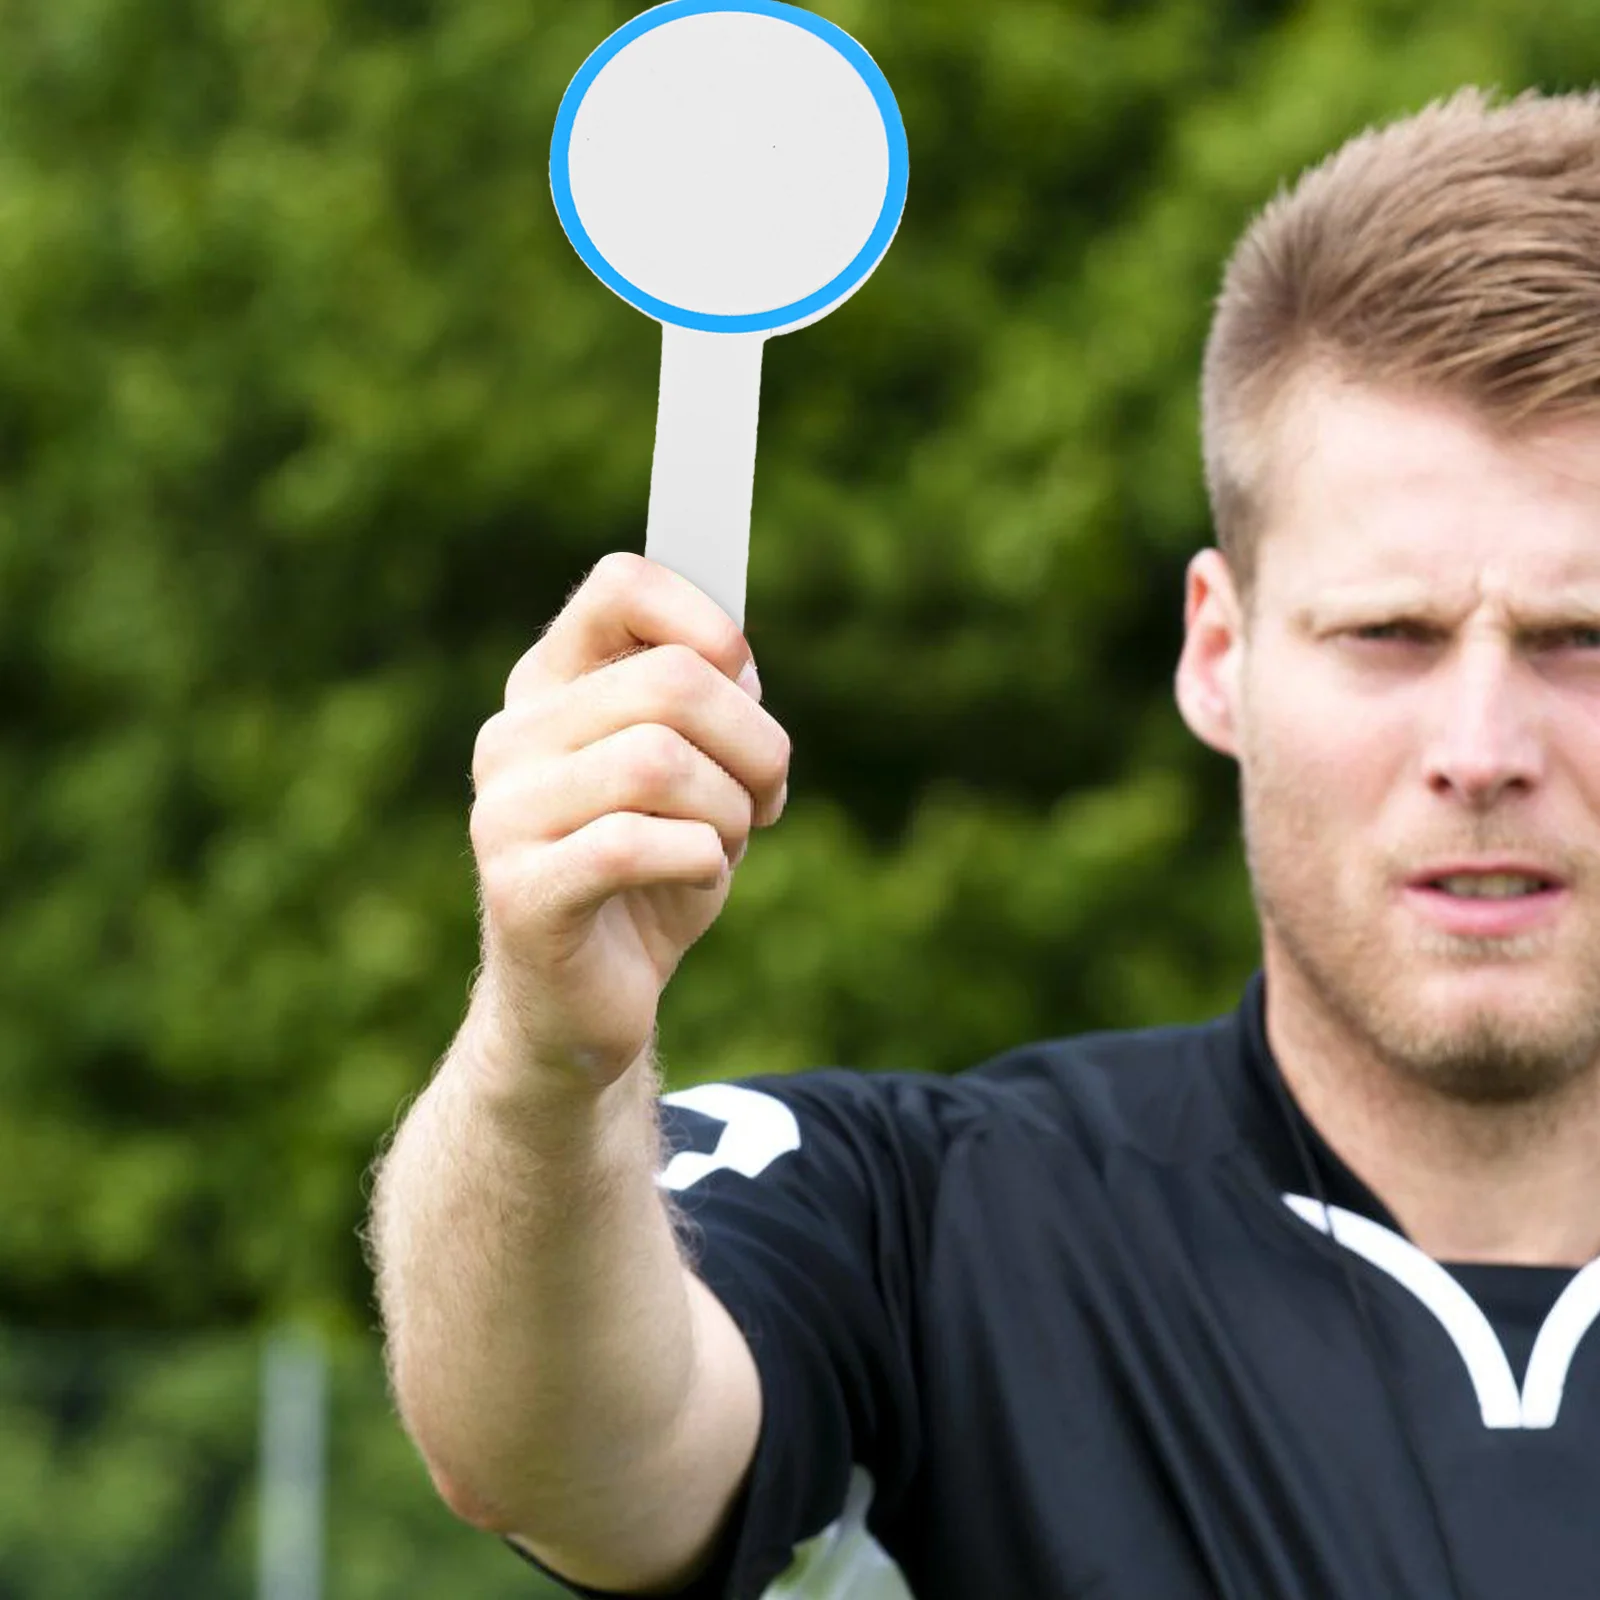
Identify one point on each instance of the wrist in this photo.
(550, 1106)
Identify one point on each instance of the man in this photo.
(1294, 1303)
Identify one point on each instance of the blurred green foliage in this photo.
(128, 1471)
(310, 419)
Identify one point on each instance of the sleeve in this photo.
(806, 1202)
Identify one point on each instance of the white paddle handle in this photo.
(705, 460)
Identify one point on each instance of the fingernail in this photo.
(750, 680)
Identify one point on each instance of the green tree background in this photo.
(309, 420)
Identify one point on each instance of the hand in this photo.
(615, 794)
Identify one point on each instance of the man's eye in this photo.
(1381, 631)
(1583, 638)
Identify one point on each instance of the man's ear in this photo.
(1206, 683)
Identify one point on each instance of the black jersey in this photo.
(1079, 1323)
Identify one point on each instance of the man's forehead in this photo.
(1413, 501)
(1405, 566)
(1368, 434)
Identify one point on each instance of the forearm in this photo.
(540, 1336)
(566, 1378)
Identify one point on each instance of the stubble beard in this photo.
(1364, 991)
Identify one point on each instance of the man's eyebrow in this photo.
(1332, 606)
(1327, 606)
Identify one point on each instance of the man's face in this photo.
(1420, 686)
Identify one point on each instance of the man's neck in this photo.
(1517, 1184)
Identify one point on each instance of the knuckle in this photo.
(486, 750)
(679, 671)
(487, 830)
(776, 767)
(616, 841)
(500, 890)
(522, 682)
(619, 570)
(657, 757)
(478, 831)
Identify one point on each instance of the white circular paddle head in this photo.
(728, 167)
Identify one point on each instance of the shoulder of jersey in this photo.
(1155, 1089)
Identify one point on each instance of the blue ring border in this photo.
(866, 259)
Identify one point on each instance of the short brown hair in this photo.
(1455, 252)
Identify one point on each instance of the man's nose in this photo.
(1486, 735)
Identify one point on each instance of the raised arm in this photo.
(567, 1380)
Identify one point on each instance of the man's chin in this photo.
(1488, 1063)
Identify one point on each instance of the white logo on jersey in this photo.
(1462, 1318)
(757, 1129)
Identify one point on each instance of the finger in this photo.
(627, 603)
(671, 685)
(645, 768)
(622, 850)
